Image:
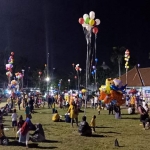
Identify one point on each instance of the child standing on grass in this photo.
(99, 109)
(14, 117)
(93, 123)
(27, 110)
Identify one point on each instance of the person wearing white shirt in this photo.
(14, 117)
(130, 110)
(92, 102)
(95, 101)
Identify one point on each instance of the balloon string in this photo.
(95, 46)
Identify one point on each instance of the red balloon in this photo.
(40, 73)
(81, 20)
(12, 53)
(95, 30)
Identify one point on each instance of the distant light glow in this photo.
(47, 79)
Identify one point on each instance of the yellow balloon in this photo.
(108, 89)
(83, 90)
(102, 88)
(108, 83)
(91, 22)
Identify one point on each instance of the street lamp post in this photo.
(60, 85)
(78, 81)
(127, 57)
(47, 71)
(47, 80)
(75, 77)
(28, 76)
(68, 84)
(40, 73)
(73, 66)
(52, 80)
(96, 60)
(22, 77)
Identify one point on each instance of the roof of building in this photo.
(137, 77)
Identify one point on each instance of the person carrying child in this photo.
(38, 135)
(14, 117)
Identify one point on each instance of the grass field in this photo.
(62, 136)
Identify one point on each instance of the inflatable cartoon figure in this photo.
(112, 91)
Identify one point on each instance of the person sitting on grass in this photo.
(38, 135)
(1, 133)
(56, 117)
(3, 139)
(67, 118)
(84, 128)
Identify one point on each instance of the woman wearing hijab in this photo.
(38, 135)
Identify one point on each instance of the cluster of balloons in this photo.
(40, 73)
(14, 85)
(59, 84)
(8, 74)
(18, 75)
(126, 58)
(89, 23)
(77, 68)
(117, 86)
(94, 67)
(9, 66)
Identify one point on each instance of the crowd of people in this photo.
(22, 127)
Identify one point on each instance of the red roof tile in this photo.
(137, 77)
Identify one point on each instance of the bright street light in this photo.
(47, 79)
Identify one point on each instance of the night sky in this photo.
(29, 27)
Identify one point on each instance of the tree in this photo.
(103, 74)
(117, 56)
